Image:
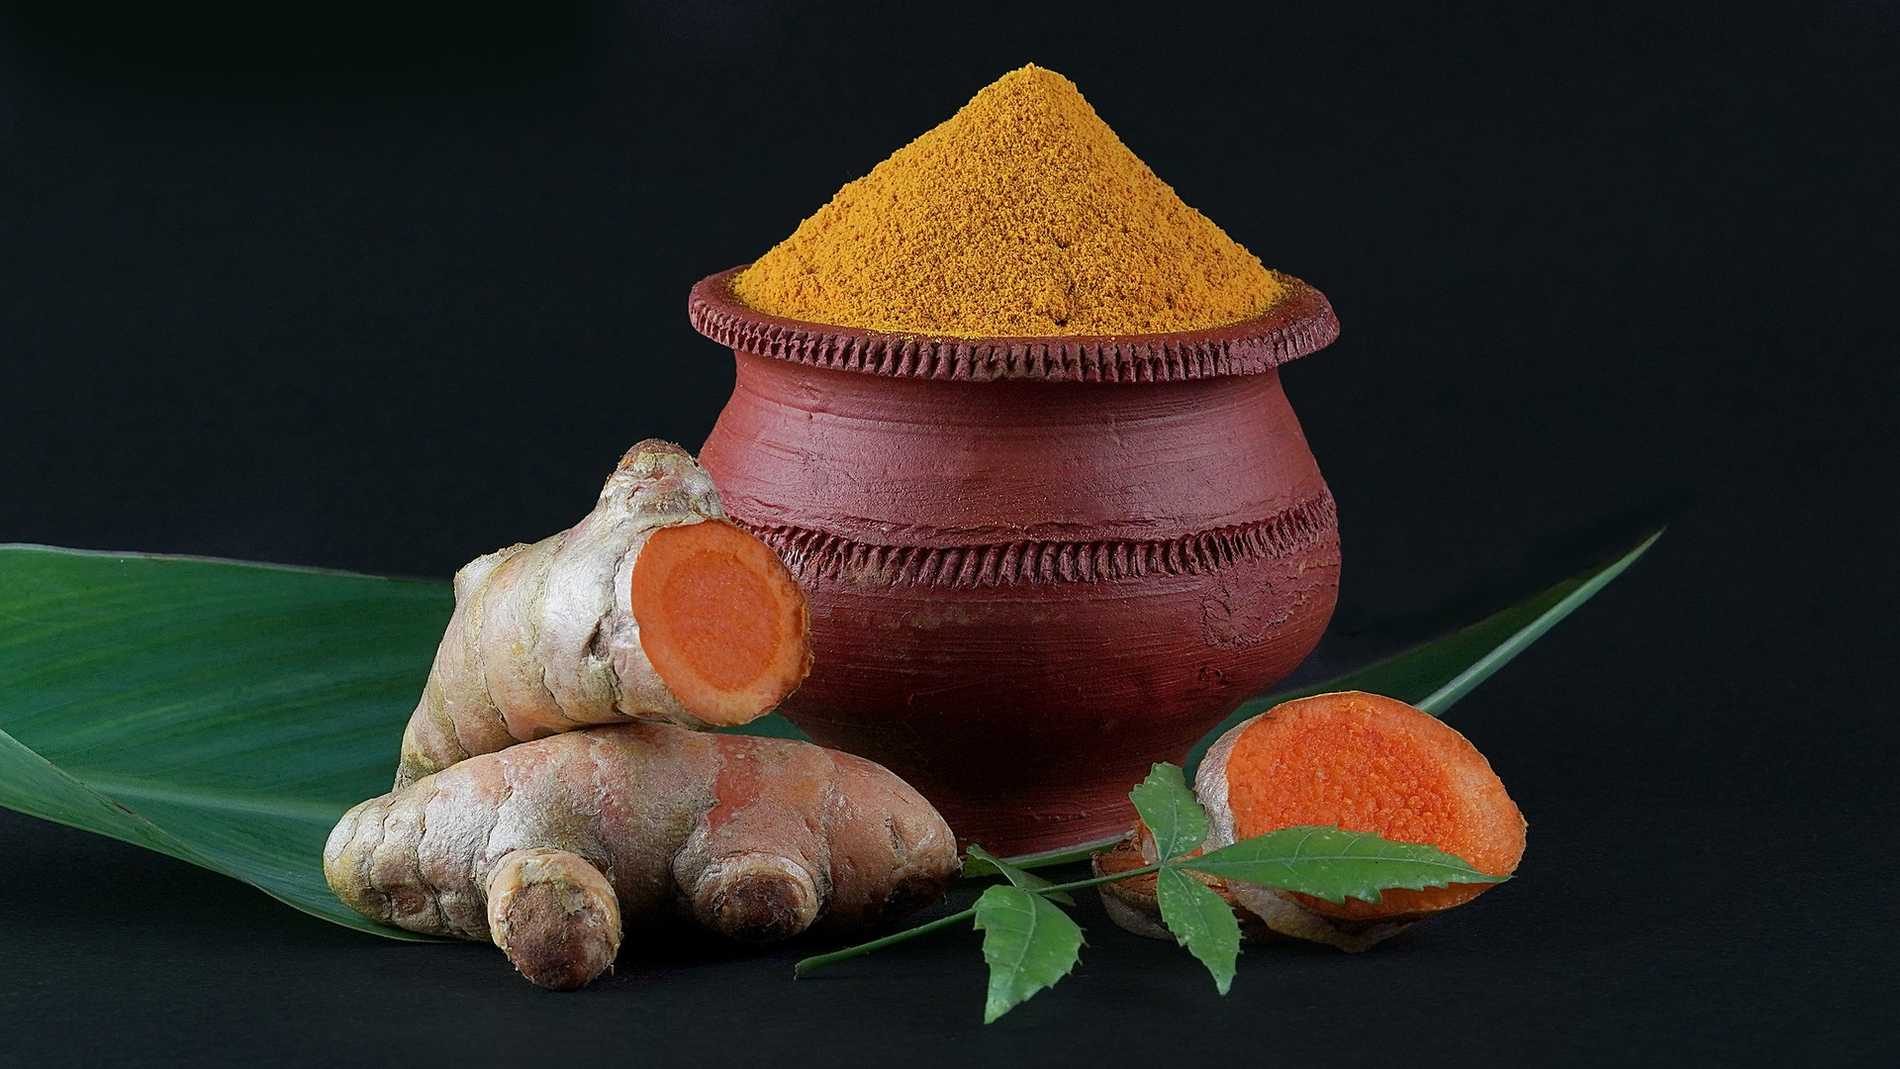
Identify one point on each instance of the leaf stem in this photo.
(810, 965)
(807, 965)
(1097, 880)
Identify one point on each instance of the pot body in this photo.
(1024, 593)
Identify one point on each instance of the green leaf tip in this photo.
(1575, 591)
(1028, 943)
(1173, 815)
(1433, 676)
(1335, 864)
(1201, 921)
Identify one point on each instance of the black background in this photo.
(382, 291)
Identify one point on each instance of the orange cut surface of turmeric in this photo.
(1367, 763)
(1021, 215)
(720, 619)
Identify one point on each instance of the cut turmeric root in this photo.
(720, 620)
(555, 850)
(652, 607)
(1363, 763)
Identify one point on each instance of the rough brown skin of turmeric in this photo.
(1364, 763)
(1021, 215)
(652, 607)
(556, 850)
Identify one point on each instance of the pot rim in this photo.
(1301, 322)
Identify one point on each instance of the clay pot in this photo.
(1036, 565)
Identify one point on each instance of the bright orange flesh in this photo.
(1372, 764)
(721, 620)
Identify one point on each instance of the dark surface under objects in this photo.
(384, 291)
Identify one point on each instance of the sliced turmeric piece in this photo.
(652, 607)
(1363, 763)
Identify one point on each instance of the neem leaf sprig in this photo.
(1347, 758)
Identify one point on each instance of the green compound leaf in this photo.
(1028, 943)
(1173, 815)
(1335, 864)
(1201, 921)
(984, 862)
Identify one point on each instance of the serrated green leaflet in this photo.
(1434, 676)
(982, 859)
(1174, 817)
(220, 712)
(1336, 864)
(1028, 943)
(1201, 921)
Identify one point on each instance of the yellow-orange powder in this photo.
(1023, 214)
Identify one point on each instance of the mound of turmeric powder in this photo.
(1022, 214)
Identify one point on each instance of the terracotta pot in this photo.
(1036, 565)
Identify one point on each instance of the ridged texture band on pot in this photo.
(1036, 566)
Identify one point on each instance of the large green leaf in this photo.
(226, 713)
(1336, 864)
(220, 712)
(1028, 943)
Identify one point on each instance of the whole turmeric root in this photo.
(1364, 763)
(652, 607)
(548, 848)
